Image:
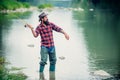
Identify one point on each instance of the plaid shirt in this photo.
(46, 33)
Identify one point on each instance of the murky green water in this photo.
(93, 45)
(101, 31)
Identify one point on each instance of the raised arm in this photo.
(32, 29)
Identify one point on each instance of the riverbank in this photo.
(19, 10)
(13, 5)
(37, 8)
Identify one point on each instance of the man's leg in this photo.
(44, 53)
(52, 59)
(52, 75)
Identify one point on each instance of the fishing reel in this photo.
(25, 25)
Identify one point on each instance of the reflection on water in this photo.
(93, 44)
(101, 31)
(4, 25)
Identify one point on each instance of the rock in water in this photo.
(62, 57)
(30, 45)
(101, 74)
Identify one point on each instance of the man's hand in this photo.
(32, 29)
(66, 36)
(27, 25)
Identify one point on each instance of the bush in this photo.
(17, 76)
(1, 7)
(3, 70)
(26, 5)
(5, 75)
(42, 6)
(2, 60)
(12, 5)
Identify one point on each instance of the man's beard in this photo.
(46, 22)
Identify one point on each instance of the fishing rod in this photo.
(22, 20)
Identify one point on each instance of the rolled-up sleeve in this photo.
(55, 27)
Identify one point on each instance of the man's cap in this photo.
(43, 14)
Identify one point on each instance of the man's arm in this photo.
(58, 29)
(32, 29)
(65, 34)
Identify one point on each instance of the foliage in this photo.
(3, 70)
(12, 5)
(17, 76)
(6, 75)
(2, 60)
(18, 15)
(16, 68)
(42, 6)
(26, 5)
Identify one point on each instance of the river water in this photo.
(93, 44)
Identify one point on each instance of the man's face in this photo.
(45, 19)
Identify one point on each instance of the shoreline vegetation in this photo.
(10, 74)
(43, 6)
(19, 10)
(13, 6)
